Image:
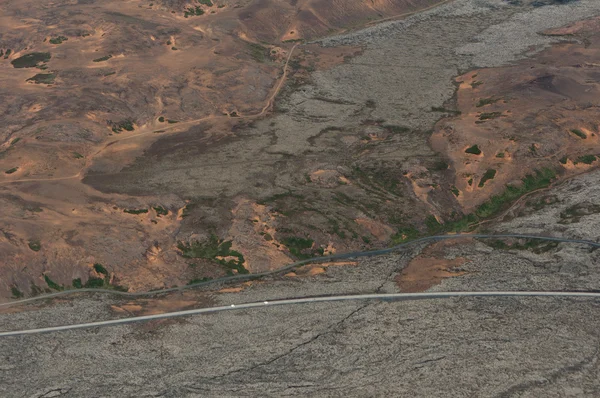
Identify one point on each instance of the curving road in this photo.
(286, 268)
(307, 300)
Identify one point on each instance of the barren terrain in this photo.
(171, 143)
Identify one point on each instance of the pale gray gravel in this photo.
(453, 348)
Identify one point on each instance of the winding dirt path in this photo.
(174, 128)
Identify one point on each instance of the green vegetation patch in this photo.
(161, 119)
(199, 280)
(259, 52)
(135, 211)
(297, 245)
(474, 150)
(207, 3)
(489, 175)
(193, 11)
(16, 293)
(99, 268)
(102, 59)
(211, 250)
(541, 179)
(564, 160)
(455, 191)
(13, 142)
(404, 234)
(586, 159)
(43, 78)
(126, 124)
(77, 283)
(579, 133)
(35, 245)
(77, 155)
(30, 60)
(489, 115)
(53, 285)
(160, 211)
(58, 40)
(487, 101)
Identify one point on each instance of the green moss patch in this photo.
(102, 59)
(579, 133)
(35, 245)
(135, 211)
(489, 175)
(30, 60)
(43, 78)
(58, 40)
(474, 150)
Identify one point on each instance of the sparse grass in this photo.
(258, 52)
(537, 246)
(404, 234)
(30, 60)
(586, 159)
(58, 40)
(370, 104)
(487, 101)
(489, 175)
(439, 165)
(199, 280)
(396, 129)
(35, 245)
(579, 133)
(43, 78)
(474, 150)
(53, 285)
(444, 110)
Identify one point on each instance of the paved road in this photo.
(286, 268)
(308, 300)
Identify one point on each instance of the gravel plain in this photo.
(490, 347)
